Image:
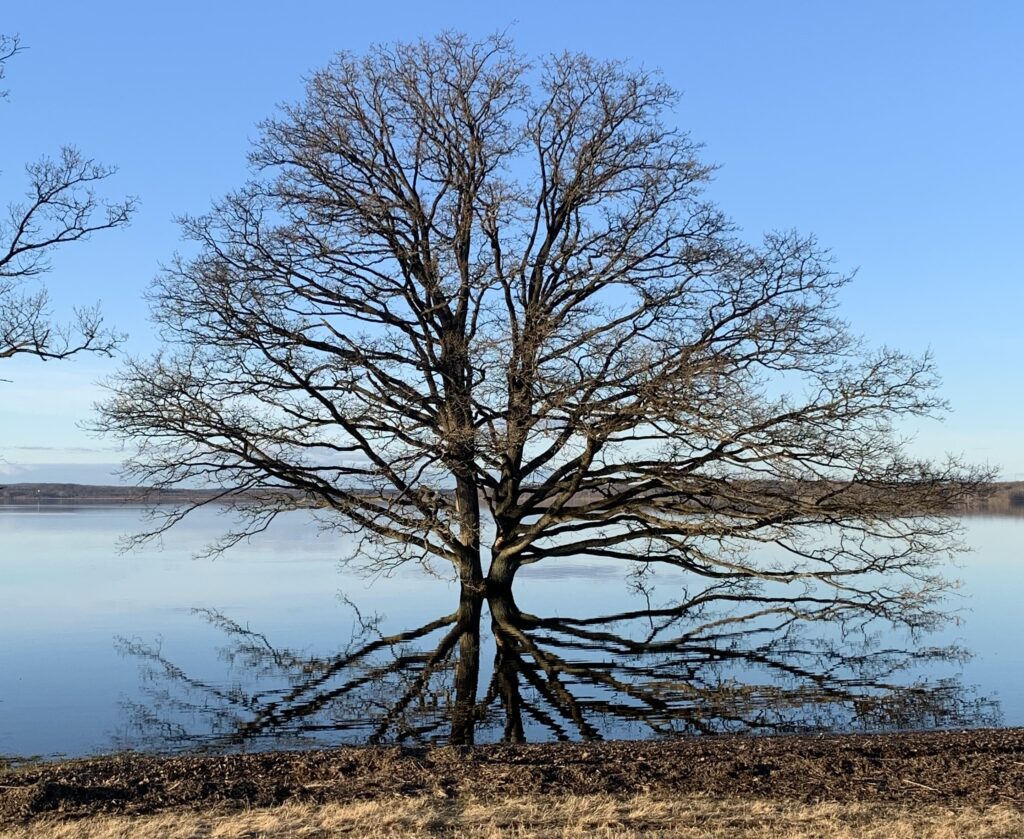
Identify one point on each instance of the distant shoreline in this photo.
(1002, 498)
(32, 495)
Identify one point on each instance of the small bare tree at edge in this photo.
(60, 205)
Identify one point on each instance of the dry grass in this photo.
(549, 817)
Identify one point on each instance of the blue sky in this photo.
(892, 131)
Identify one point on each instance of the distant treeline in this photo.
(1004, 498)
(88, 494)
(1001, 499)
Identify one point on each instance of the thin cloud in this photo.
(68, 449)
(60, 473)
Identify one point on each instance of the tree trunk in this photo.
(467, 503)
(500, 575)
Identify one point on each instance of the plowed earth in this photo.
(966, 767)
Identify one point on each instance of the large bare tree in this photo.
(60, 205)
(480, 311)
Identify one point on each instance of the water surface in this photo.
(275, 645)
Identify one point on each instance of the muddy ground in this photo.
(976, 767)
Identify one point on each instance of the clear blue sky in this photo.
(894, 131)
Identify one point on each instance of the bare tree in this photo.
(60, 206)
(471, 306)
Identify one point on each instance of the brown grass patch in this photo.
(549, 817)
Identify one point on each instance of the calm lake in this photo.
(275, 645)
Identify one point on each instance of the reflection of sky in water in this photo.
(67, 594)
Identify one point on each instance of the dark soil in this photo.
(977, 767)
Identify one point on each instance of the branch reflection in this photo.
(726, 660)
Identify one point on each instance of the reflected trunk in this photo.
(467, 669)
(506, 669)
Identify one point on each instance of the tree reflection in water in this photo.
(727, 660)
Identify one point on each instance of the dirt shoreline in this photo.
(977, 767)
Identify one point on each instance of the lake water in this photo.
(275, 645)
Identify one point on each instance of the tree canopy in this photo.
(480, 310)
(60, 206)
